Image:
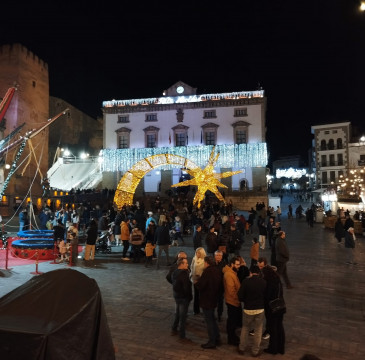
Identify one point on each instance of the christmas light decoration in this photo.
(13, 166)
(185, 99)
(205, 179)
(231, 156)
(129, 182)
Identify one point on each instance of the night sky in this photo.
(309, 56)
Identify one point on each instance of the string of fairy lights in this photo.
(13, 167)
(353, 183)
(231, 156)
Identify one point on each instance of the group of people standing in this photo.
(247, 293)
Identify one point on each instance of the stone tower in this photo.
(30, 104)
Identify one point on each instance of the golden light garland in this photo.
(205, 179)
(129, 182)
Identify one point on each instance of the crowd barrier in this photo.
(6, 249)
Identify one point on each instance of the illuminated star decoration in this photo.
(206, 179)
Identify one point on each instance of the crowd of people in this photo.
(216, 279)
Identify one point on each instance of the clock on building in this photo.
(180, 89)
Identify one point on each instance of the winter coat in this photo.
(136, 237)
(211, 241)
(124, 231)
(231, 286)
(281, 249)
(149, 249)
(181, 285)
(209, 286)
(162, 235)
(197, 267)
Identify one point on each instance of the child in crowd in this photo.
(149, 252)
(63, 250)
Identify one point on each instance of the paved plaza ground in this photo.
(325, 311)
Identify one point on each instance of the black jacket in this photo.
(209, 286)
(252, 293)
(162, 236)
(181, 285)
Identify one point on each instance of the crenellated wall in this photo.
(30, 105)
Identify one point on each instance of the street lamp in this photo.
(362, 6)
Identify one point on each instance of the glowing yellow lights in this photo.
(362, 8)
(206, 180)
(129, 182)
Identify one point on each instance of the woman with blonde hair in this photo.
(197, 267)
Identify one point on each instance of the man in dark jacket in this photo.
(252, 294)
(282, 257)
(162, 239)
(182, 292)
(211, 241)
(209, 285)
(197, 237)
(173, 267)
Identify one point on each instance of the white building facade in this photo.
(181, 122)
(331, 147)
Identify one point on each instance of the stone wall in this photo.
(246, 202)
(86, 134)
(30, 105)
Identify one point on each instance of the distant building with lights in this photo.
(181, 122)
(339, 164)
(331, 149)
(288, 174)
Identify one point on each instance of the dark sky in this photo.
(309, 56)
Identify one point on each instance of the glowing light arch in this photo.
(205, 179)
(129, 182)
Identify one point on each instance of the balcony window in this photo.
(324, 177)
(323, 145)
(331, 144)
(332, 160)
(332, 176)
(209, 138)
(181, 135)
(340, 159)
(180, 139)
(240, 132)
(151, 136)
(123, 138)
(323, 160)
(151, 141)
(123, 141)
(241, 137)
(209, 134)
(339, 143)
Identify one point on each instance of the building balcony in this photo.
(327, 147)
(331, 164)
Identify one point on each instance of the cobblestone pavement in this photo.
(325, 311)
